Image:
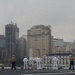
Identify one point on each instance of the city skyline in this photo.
(27, 13)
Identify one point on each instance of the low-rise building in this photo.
(63, 60)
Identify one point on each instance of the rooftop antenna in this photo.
(11, 22)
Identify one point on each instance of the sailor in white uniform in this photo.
(38, 62)
(55, 62)
(25, 60)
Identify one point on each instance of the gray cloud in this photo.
(60, 14)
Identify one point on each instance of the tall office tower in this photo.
(25, 37)
(11, 36)
(21, 47)
(39, 40)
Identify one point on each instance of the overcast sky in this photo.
(60, 14)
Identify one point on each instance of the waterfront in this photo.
(36, 72)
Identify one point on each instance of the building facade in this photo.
(2, 47)
(57, 45)
(63, 62)
(11, 36)
(69, 46)
(39, 40)
(21, 47)
(25, 37)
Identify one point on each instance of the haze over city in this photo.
(60, 14)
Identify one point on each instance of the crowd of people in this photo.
(38, 61)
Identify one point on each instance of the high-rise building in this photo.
(22, 47)
(2, 47)
(39, 40)
(11, 36)
(25, 37)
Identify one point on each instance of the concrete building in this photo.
(39, 40)
(63, 62)
(25, 37)
(69, 46)
(57, 45)
(11, 36)
(21, 47)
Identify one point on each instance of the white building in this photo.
(69, 46)
(57, 45)
(63, 60)
(60, 46)
(39, 39)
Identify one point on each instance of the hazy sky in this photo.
(60, 14)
